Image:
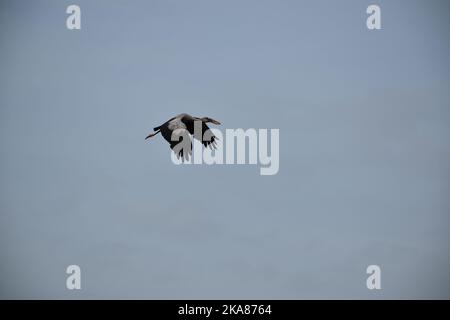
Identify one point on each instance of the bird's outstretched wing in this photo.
(208, 139)
(175, 123)
(181, 144)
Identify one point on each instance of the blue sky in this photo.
(364, 149)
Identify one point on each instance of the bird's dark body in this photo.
(165, 131)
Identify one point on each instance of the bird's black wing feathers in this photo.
(164, 124)
(208, 137)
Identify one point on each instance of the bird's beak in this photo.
(215, 122)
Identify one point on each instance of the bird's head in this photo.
(208, 119)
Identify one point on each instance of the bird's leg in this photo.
(152, 135)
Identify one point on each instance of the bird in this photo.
(176, 131)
